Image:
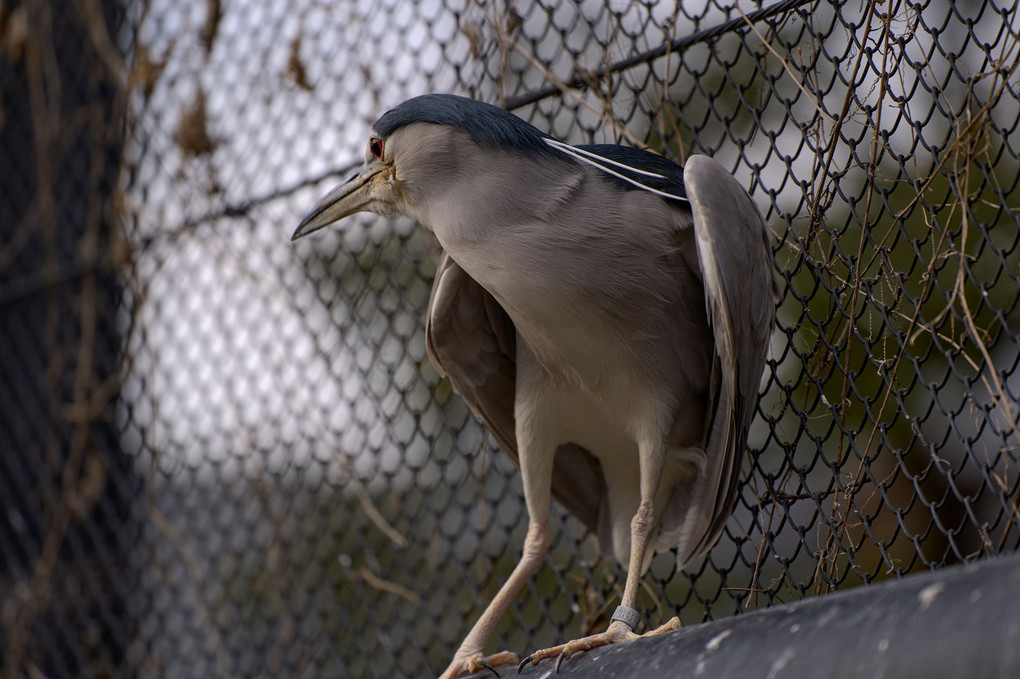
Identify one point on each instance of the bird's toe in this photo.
(472, 663)
(616, 633)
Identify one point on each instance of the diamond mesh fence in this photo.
(224, 454)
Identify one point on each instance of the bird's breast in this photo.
(604, 283)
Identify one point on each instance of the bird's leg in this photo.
(619, 630)
(625, 618)
(469, 658)
(536, 460)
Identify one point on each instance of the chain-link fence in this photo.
(222, 454)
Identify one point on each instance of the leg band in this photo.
(628, 616)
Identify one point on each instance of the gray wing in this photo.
(740, 298)
(470, 338)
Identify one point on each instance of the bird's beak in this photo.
(354, 194)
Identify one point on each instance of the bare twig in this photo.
(373, 514)
(386, 586)
(570, 92)
(786, 67)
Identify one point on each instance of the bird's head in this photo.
(370, 188)
(420, 147)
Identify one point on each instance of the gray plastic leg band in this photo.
(627, 616)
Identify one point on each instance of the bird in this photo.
(604, 311)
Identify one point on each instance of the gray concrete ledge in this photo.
(960, 621)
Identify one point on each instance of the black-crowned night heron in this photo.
(604, 311)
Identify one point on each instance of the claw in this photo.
(520, 668)
(487, 666)
(564, 655)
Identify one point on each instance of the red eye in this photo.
(375, 148)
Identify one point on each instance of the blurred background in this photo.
(224, 454)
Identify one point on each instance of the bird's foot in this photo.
(618, 631)
(469, 662)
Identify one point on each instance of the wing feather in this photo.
(740, 299)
